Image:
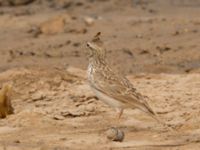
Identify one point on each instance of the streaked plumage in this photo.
(112, 88)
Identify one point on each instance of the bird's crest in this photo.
(96, 39)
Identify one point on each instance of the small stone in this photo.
(58, 117)
(17, 141)
(89, 21)
(57, 79)
(90, 108)
(53, 26)
(38, 96)
(76, 44)
(176, 33)
(115, 134)
(34, 31)
(5, 101)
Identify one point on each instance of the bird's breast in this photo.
(90, 73)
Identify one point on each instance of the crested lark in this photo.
(113, 89)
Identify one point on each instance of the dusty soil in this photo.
(43, 55)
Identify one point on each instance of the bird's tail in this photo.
(148, 109)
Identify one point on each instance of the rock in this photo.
(58, 117)
(38, 96)
(54, 25)
(89, 21)
(76, 44)
(90, 108)
(176, 33)
(17, 141)
(73, 113)
(77, 31)
(163, 49)
(5, 102)
(57, 79)
(144, 52)
(115, 134)
(128, 51)
(34, 31)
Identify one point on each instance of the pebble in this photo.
(89, 21)
(115, 134)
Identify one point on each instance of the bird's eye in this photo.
(88, 45)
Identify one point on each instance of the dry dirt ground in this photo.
(154, 43)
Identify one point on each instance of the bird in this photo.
(112, 88)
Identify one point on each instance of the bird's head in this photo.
(96, 51)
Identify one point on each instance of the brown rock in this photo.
(38, 96)
(5, 102)
(53, 25)
(89, 21)
(115, 134)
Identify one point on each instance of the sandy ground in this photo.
(43, 55)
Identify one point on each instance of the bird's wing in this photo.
(121, 89)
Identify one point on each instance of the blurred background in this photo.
(141, 36)
(43, 57)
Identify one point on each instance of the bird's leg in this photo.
(120, 112)
(116, 121)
